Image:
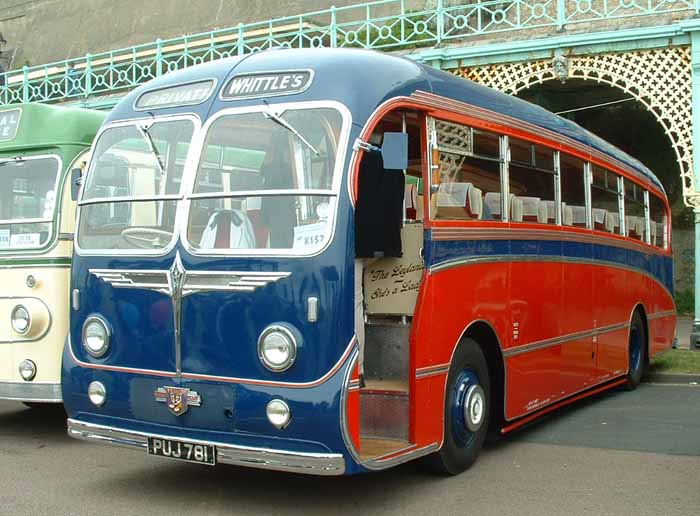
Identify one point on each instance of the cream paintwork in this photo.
(52, 289)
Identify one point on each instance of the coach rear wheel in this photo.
(466, 410)
(636, 352)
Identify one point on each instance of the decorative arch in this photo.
(659, 78)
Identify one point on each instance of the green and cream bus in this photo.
(41, 149)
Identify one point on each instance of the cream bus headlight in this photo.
(277, 348)
(27, 370)
(21, 321)
(96, 336)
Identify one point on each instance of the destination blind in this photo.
(267, 84)
(9, 123)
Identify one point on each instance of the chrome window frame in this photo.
(334, 193)
(189, 163)
(53, 221)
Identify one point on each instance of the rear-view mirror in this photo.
(395, 151)
(76, 179)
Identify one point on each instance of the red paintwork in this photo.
(546, 299)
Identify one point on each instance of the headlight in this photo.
(97, 393)
(277, 348)
(20, 319)
(27, 370)
(278, 414)
(96, 336)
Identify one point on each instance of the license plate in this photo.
(182, 450)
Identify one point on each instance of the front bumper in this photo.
(326, 464)
(31, 392)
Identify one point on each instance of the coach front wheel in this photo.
(467, 407)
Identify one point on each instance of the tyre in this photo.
(636, 353)
(467, 407)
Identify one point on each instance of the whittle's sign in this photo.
(9, 123)
(267, 84)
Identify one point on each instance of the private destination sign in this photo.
(267, 84)
(9, 123)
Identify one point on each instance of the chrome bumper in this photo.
(326, 464)
(31, 392)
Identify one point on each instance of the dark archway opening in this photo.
(630, 126)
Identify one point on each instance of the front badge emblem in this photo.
(178, 399)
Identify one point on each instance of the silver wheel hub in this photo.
(474, 408)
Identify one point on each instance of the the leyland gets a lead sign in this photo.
(267, 84)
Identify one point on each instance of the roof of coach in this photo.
(362, 80)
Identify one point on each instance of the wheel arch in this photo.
(484, 334)
(639, 309)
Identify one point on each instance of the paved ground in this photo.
(619, 454)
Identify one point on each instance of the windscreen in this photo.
(28, 198)
(130, 196)
(265, 182)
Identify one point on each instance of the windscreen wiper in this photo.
(143, 129)
(271, 115)
(16, 159)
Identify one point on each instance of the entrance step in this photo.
(372, 448)
(384, 409)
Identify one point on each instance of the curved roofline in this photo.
(342, 73)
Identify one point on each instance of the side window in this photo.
(573, 192)
(658, 223)
(467, 180)
(605, 200)
(635, 223)
(531, 179)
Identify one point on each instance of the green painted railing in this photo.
(384, 24)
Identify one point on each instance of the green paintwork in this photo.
(42, 126)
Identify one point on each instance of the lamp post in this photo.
(4, 61)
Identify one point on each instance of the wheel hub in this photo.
(474, 405)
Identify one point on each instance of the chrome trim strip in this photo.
(261, 193)
(31, 392)
(225, 379)
(508, 258)
(661, 315)
(344, 391)
(141, 198)
(65, 237)
(426, 372)
(395, 460)
(325, 464)
(563, 339)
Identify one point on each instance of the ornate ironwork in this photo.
(638, 73)
(383, 24)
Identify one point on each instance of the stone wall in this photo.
(44, 31)
(683, 258)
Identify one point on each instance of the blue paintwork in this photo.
(220, 331)
(658, 266)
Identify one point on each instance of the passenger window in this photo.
(635, 223)
(659, 222)
(531, 179)
(468, 177)
(605, 200)
(573, 194)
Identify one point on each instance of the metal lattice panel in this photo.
(659, 78)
